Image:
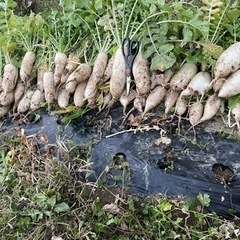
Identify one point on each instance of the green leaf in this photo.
(163, 62)
(204, 199)
(61, 207)
(233, 101)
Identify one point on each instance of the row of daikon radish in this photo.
(72, 82)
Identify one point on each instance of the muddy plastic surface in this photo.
(186, 167)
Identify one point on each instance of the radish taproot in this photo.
(195, 113)
(211, 108)
(235, 112)
(154, 98)
(63, 98)
(117, 80)
(18, 94)
(60, 61)
(49, 88)
(36, 99)
(72, 63)
(108, 71)
(231, 87)
(40, 72)
(25, 102)
(6, 98)
(139, 103)
(10, 76)
(216, 84)
(180, 80)
(125, 98)
(170, 100)
(26, 68)
(200, 83)
(181, 106)
(141, 74)
(78, 97)
(80, 74)
(228, 62)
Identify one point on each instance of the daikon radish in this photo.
(153, 79)
(10, 76)
(216, 84)
(63, 98)
(141, 74)
(195, 113)
(139, 103)
(72, 63)
(126, 99)
(200, 83)
(228, 62)
(231, 87)
(118, 79)
(78, 97)
(18, 94)
(60, 61)
(26, 68)
(106, 100)
(181, 106)
(163, 79)
(40, 72)
(49, 88)
(211, 108)
(6, 98)
(80, 74)
(180, 80)
(108, 71)
(25, 102)
(170, 99)
(36, 99)
(91, 88)
(154, 98)
(4, 110)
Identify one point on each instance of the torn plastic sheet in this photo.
(188, 173)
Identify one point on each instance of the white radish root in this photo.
(126, 99)
(40, 72)
(170, 100)
(49, 89)
(36, 99)
(26, 68)
(154, 98)
(25, 102)
(10, 76)
(108, 71)
(217, 84)
(72, 63)
(60, 61)
(63, 98)
(236, 115)
(141, 74)
(78, 97)
(80, 74)
(181, 106)
(117, 80)
(91, 88)
(6, 98)
(231, 87)
(228, 62)
(211, 108)
(195, 113)
(180, 80)
(139, 103)
(18, 94)
(200, 83)
(106, 100)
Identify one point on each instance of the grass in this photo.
(41, 199)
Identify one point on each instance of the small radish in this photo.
(10, 76)
(200, 83)
(126, 99)
(63, 98)
(154, 98)
(217, 84)
(231, 87)
(181, 106)
(211, 107)
(195, 113)
(60, 61)
(228, 62)
(36, 99)
(18, 94)
(78, 97)
(25, 102)
(170, 99)
(180, 80)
